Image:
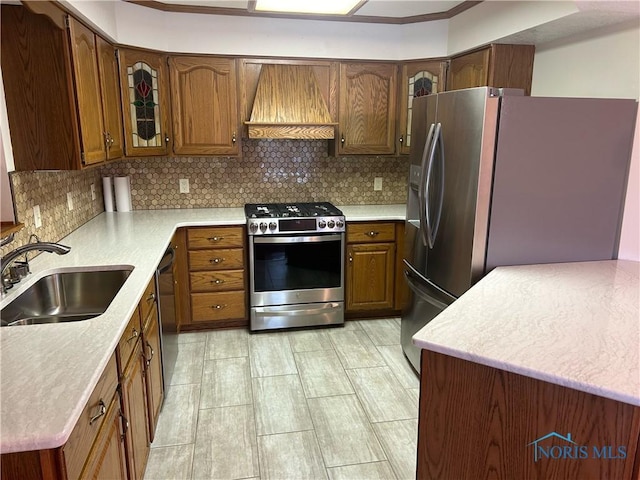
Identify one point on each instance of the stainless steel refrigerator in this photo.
(498, 178)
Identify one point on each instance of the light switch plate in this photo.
(377, 184)
(69, 201)
(184, 185)
(93, 191)
(37, 218)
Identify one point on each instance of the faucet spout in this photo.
(12, 256)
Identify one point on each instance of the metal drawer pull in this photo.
(373, 233)
(218, 307)
(101, 412)
(125, 424)
(133, 335)
(216, 260)
(215, 239)
(152, 354)
(151, 297)
(217, 281)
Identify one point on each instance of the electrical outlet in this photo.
(69, 201)
(93, 191)
(184, 185)
(37, 218)
(377, 184)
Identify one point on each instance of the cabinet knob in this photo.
(215, 239)
(233, 138)
(373, 233)
(166, 139)
(342, 139)
(217, 281)
(216, 260)
(218, 307)
(401, 139)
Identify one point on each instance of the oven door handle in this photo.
(298, 239)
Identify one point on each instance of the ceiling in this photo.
(373, 11)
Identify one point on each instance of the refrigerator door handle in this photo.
(432, 226)
(438, 141)
(421, 287)
(422, 192)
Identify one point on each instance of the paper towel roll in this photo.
(122, 187)
(107, 193)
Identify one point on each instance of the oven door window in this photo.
(297, 266)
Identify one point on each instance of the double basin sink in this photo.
(65, 296)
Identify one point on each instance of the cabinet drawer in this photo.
(77, 448)
(128, 340)
(148, 301)
(221, 259)
(371, 232)
(215, 237)
(217, 306)
(217, 281)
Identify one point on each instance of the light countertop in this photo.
(571, 324)
(48, 371)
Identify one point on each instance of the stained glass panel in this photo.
(145, 109)
(421, 84)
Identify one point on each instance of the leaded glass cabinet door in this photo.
(144, 81)
(418, 79)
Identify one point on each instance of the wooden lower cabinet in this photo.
(213, 278)
(107, 459)
(477, 422)
(153, 370)
(134, 409)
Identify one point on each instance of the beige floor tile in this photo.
(280, 405)
(192, 337)
(226, 444)
(291, 456)
(381, 395)
(400, 442)
(383, 331)
(363, 471)
(355, 350)
(322, 374)
(270, 354)
(414, 393)
(226, 382)
(399, 365)
(344, 434)
(189, 363)
(227, 343)
(309, 340)
(170, 463)
(179, 415)
(351, 325)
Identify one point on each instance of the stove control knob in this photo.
(322, 224)
(273, 225)
(331, 224)
(253, 227)
(263, 227)
(339, 224)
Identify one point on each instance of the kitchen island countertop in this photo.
(571, 324)
(49, 371)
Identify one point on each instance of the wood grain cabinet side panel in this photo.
(480, 422)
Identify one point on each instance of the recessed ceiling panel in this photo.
(404, 8)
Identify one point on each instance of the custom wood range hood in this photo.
(289, 104)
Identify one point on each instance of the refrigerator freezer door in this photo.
(468, 118)
(560, 175)
(425, 302)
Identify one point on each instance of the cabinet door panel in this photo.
(471, 70)
(218, 259)
(205, 105)
(207, 307)
(144, 83)
(367, 108)
(87, 82)
(371, 275)
(112, 108)
(153, 377)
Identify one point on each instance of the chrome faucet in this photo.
(11, 257)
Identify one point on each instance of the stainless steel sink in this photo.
(66, 296)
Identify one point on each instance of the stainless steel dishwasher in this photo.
(167, 315)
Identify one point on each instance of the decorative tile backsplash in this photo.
(267, 171)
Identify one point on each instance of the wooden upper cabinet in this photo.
(204, 103)
(501, 66)
(417, 79)
(111, 104)
(367, 113)
(144, 80)
(87, 85)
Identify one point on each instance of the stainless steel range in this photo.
(296, 262)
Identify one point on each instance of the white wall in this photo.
(604, 63)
